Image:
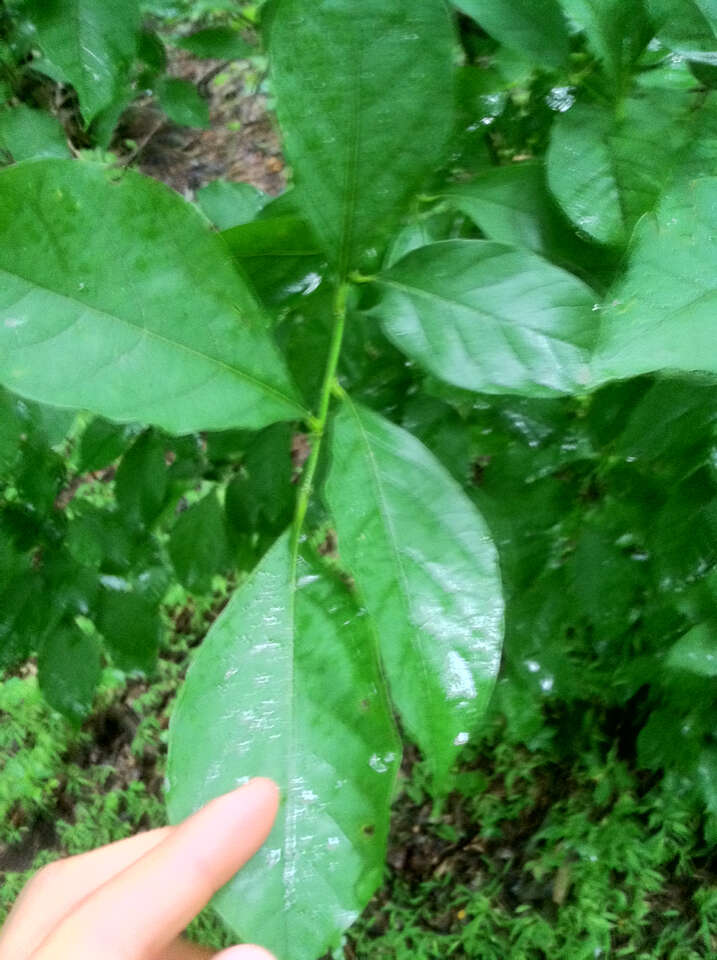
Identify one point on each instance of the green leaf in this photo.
(662, 314)
(12, 427)
(69, 670)
(364, 99)
(533, 27)
(427, 572)
(487, 317)
(129, 623)
(509, 204)
(286, 686)
(199, 545)
(696, 652)
(216, 43)
(606, 172)
(688, 27)
(617, 32)
(141, 481)
(279, 255)
(26, 133)
(103, 442)
(128, 344)
(230, 204)
(91, 44)
(183, 103)
(261, 497)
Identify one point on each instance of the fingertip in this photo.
(246, 952)
(265, 787)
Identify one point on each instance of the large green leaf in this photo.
(364, 95)
(607, 170)
(286, 685)
(91, 44)
(487, 317)
(427, 571)
(663, 314)
(534, 27)
(116, 296)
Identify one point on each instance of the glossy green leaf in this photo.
(606, 172)
(26, 133)
(426, 570)
(141, 481)
(696, 652)
(355, 86)
(69, 670)
(174, 338)
(487, 317)
(220, 43)
(662, 314)
(91, 44)
(229, 204)
(199, 544)
(536, 28)
(286, 685)
(183, 103)
(130, 626)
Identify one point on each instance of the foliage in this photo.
(70, 68)
(494, 324)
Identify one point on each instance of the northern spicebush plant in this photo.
(482, 320)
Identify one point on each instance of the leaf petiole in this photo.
(318, 423)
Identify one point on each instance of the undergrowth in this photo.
(532, 856)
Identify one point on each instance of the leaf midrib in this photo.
(393, 541)
(153, 334)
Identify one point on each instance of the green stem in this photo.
(318, 424)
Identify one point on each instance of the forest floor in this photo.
(539, 854)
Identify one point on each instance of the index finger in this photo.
(140, 911)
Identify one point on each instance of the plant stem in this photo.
(318, 424)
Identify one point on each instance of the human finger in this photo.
(140, 911)
(59, 887)
(247, 952)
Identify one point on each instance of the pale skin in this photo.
(132, 900)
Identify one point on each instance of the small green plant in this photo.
(415, 288)
(69, 70)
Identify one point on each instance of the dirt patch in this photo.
(241, 144)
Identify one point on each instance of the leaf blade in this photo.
(92, 45)
(315, 732)
(75, 333)
(487, 317)
(333, 65)
(659, 318)
(428, 574)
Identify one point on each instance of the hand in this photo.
(132, 899)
